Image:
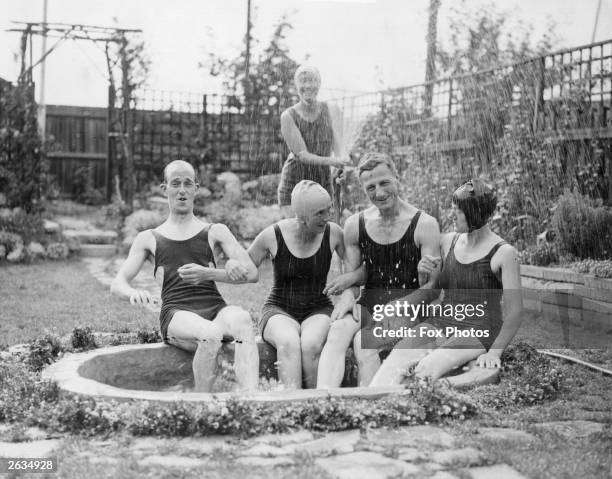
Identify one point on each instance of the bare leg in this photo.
(236, 322)
(452, 353)
(313, 333)
(331, 364)
(283, 332)
(368, 360)
(191, 332)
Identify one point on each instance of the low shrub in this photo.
(148, 336)
(29, 226)
(599, 268)
(583, 226)
(83, 339)
(542, 254)
(43, 351)
(528, 378)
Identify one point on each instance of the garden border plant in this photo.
(27, 399)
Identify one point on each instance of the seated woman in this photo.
(471, 322)
(295, 317)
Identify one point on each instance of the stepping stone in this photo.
(467, 456)
(265, 461)
(499, 471)
(505, 434)
(205, 446)
(572, 429)
(411, 436)
(331, 443)
(285, 439)
(98, 250)
(365, 464)
(265, 450)
(444, 475)
(42, 448)
(172, 461)
(51, 227)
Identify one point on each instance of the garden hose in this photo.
(575, 360)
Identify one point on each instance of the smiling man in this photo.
(193, 314)
(388, 239)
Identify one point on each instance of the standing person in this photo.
(193, 314)
(388, 239)
(479, 270)
(311, 130)
(296, 316)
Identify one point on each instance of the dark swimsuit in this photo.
(202, 299)
(472, 283)
(298, 282)
(318, 136)
(391, 268)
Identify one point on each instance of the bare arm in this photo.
(427, 236)
(260, 248)
(138, 254)
(512, 304)
(352, 262)
(296, 144)
(239, 268)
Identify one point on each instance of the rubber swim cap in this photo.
(308, 197)
(307, 69)
(477, 200)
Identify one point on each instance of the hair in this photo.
(369, 161)
(477, 200)
(307, 69)
(178, 162)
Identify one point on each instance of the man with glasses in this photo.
(193, 314)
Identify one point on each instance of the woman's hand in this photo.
(341, 161)
(490, 359)
(339, 284)
(426, 267)
(195, 274)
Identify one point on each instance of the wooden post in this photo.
(430, 62)
(126, 138)
(110, 118)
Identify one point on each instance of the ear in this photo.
(163, 187)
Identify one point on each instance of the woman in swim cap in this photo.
(311, 130)
(478, 270)
(296, 316)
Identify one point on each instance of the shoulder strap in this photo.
(495, 248)
(280, 241)
(413, 224)
(362, 231)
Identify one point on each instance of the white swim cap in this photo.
(308, 197)
(307, 69)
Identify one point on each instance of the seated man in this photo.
(193, 314)
(386, 241)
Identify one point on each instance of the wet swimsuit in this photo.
(391, 268)
(472, 283)
(298, 282)
(318, 136)
(202, 299)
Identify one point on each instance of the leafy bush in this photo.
(148, 336)
(542, 254)
(57, 250)
(83, 338)
(9, 242)
(583, 226)
(27, 225)
(528, 378)
(138, 221)
(43, 351)
(599, 268)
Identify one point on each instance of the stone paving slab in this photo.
(572, 429)
(285, 439)
(499, 471)
(467, 456)
(332, 443)
(412, 436)
(41, 448)
(181, 462)
(505, 434)
(265, 461)
(365, 464)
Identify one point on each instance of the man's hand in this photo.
(339, 284)
(343, 307)
(490, 359)
(194, 273)
(236, 270)
(141, 297)
(426, 267)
